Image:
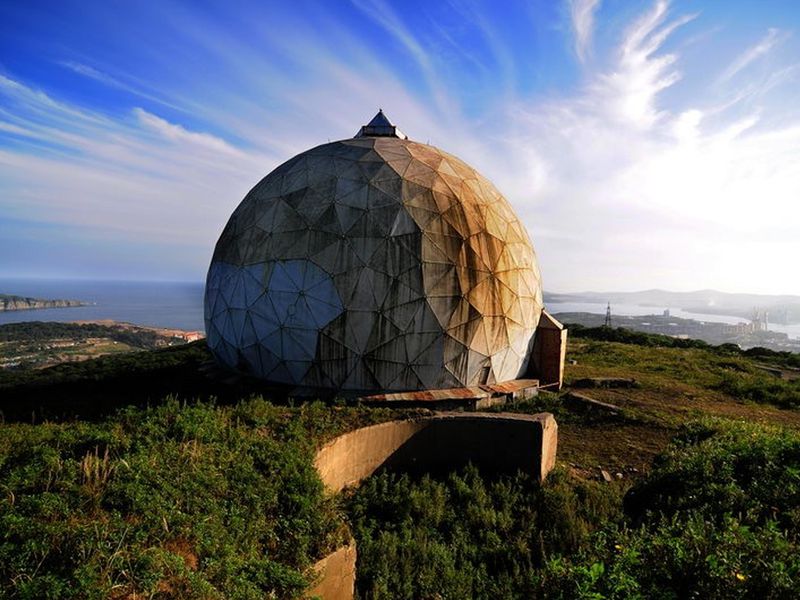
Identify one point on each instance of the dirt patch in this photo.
(624, 448)
(679, 402)
(184, 549)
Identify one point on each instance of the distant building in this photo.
(760, 320)
(193, 336)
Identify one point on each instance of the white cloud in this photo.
(767, 43)
(178, 134)
(148, 180)
(629, 194)
(631, 89)
(382, 14)
(619, 188)
(92, 73)
(582, 13)
(106, 79)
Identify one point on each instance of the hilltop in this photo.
(677, 477)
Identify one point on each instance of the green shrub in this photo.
(763, 389)
(640, 338)
(469, 537)
(629, 336)
(720, 468)
(718, 517)
(180, 501)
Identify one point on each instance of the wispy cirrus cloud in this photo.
(632, 87)
(638, 186)
(772, 38)
(180, 135)
(582, 13)
(93, 73)
(106, 79)
(141, 176)
(620, 184)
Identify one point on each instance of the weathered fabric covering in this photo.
(374, 264)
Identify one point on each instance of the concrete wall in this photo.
(336, 575)
(444, 441)
(353, 456)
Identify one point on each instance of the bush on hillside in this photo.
(640, 338)
(179, 501)
(718, 517)
(780, 392)
(470, 537)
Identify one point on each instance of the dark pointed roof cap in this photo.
(380, 126)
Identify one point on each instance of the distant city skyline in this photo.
(643, 144)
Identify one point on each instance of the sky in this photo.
(644, 144)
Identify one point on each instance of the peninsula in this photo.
(10, 302)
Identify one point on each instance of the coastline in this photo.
(185, 334)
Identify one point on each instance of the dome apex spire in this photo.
(380, 126)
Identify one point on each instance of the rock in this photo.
(771, 370)
(618, 475)
(605, 382)
(605, 475)
(583, 401)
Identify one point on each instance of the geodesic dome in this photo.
(374, 264)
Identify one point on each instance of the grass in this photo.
(124, 494)
(717, 517)
(96, 388)
(706, 504)
(468, 536)
(178, 500)
(676, 385)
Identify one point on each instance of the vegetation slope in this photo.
(127, 492)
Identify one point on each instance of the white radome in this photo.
(374, 264)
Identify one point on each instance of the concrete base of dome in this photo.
(479, 397)
(546, 371)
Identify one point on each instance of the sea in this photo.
(170, 304)
(179, 305)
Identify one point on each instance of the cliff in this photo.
(8, 302)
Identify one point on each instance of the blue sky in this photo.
(644, 144)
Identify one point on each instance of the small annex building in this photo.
(379, 264)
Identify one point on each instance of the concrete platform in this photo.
(479, 397)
